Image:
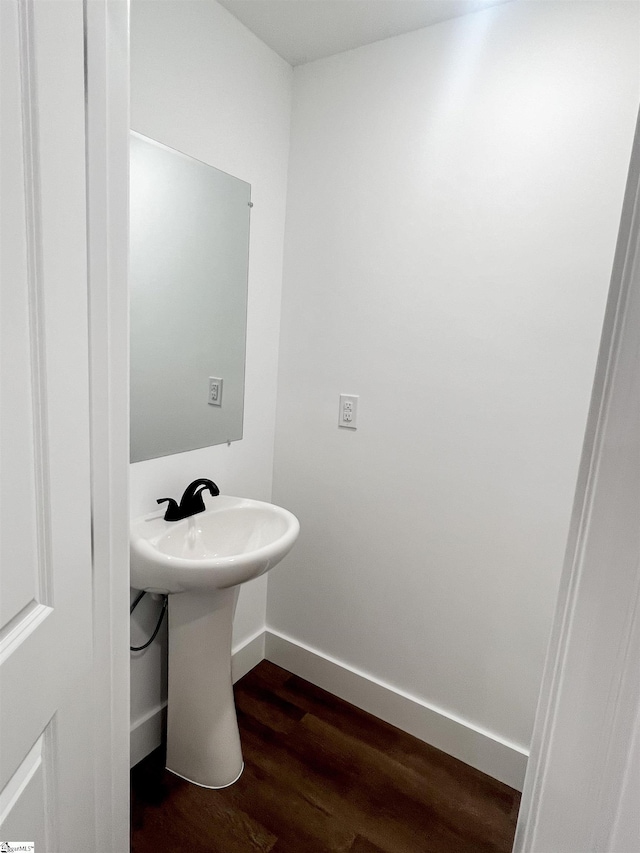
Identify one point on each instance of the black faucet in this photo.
(191, 502)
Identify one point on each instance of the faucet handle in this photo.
(173, 510)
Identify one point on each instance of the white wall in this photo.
(454, 198)
(201, 83)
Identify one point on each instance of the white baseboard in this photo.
(146, 732)
(247, 655)
(482, 750)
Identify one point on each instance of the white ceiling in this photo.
(303, 30)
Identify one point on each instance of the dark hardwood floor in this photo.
(322, 776)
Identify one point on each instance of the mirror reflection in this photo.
(188, 272)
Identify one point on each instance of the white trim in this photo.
(16, 785)
(481, 749)
(107, 150)
(247, 655)
(621, 766)
(590, 694)
(21, 627)
(460, 738)
(146, 733)
(33, 231)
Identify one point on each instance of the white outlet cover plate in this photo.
(215, 391)
(348, 412)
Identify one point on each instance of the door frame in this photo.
(107, 149)
(580, 789)
(613, 692)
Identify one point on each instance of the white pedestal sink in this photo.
(199, 562)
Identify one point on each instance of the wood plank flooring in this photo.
(322, 776)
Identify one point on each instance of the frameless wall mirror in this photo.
(188, 275)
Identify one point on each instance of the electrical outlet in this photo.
(215, 391)
(348, 413)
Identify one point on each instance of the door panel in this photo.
(24, 799)
(19, 544)
(46, 644)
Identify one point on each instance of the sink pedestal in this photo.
(203, 742)
(199, 562)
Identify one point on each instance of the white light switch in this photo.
(348, 414)
(215, 391)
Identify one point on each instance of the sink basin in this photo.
(237, 539)
(200, 563)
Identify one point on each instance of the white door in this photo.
(46, 653)
(582, 788)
